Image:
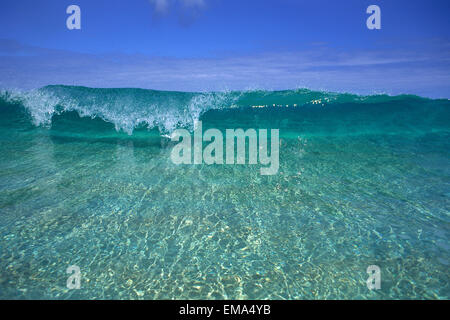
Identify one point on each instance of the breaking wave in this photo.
(128, 109)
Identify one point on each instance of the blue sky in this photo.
(198, 45)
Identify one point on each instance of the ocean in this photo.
(86, 180)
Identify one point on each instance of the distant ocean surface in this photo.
(86, 179)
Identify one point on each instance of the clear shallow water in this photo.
(362, 181)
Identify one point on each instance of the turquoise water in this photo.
(86, 179)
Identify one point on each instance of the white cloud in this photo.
(163, 6)
(425, 72)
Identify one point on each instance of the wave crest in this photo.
(130, 108)
(125, 108)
